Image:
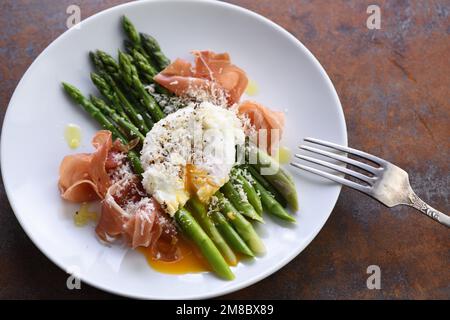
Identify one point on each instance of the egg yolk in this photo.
(191, 260)
(199, 183)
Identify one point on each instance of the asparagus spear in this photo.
(147, 71)
(135, 113)
(278, 177)
(271, 205)
(147, 67)
(96, 61)
(129, 74)
(134, 43)
(200, 214)
(130, 46)
(126, 125)
(121, 100)
(95, 113)
(142, 113)
(152, 50)
(151, 46)
(105, 89)
(130, 31)
(193, 230)
(109, 64)
(133, 110)
(242, 226)
(255, 175)
(241, 204)
(250, 192)
(230, 235)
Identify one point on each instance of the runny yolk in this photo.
(72, 135)
(189, 184)
(198, 183)
(191, 261)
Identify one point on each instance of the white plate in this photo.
(289, 79)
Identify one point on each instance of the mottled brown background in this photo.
(394, 87)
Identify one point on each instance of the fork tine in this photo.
(352, 173)
(355, 163)
(348, 150)
(333, 177)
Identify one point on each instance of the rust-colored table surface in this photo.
(394, 87)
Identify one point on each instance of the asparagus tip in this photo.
(68, 86)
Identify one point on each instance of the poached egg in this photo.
(190, 153)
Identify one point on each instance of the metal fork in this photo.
(386, 183)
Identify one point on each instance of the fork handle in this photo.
(428, 210)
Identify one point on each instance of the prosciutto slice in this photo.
(128, 212)
(83, 177)
(211, 72)
(261, 117)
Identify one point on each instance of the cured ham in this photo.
(211, 72)
(261, 117)
(128, 212)
(83, 177)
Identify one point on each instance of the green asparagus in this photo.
(110, 70)
(105, 89)
(271, 205)
(250, 192)
(242, 204)
(276, 176)
(130, 30)
(193, 230)
(147, 71)
(131, 78)
(95, 113)
(151, 46)
(242, 226)
(133, 110)
(230, 235)
(134, 41)
(200, 214)
(255, 175)
(126, 125)
(109, 64)
(130, 46)
(96, 61)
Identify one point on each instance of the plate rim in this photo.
(283, 262)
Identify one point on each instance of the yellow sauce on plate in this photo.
(283, 154)
(83, 216)
(252, 88)
(72, 135)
